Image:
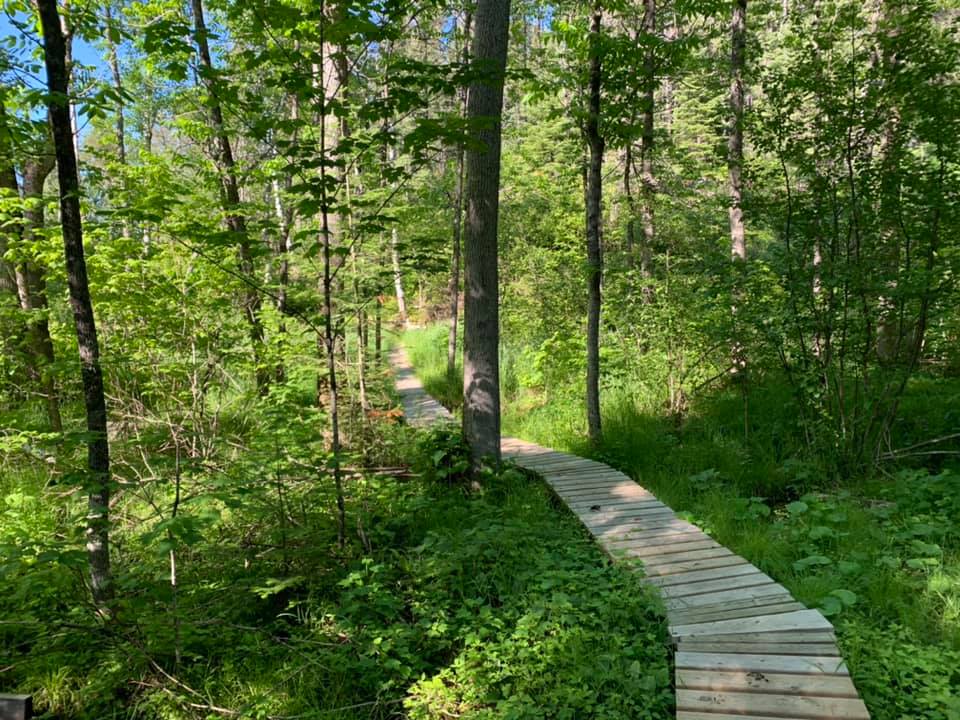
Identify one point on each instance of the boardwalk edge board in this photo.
(745, 648)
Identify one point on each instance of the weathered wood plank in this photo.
(744, 662)
(794, 706)
(698, 560)
(710, 586)
(644, 551)
(746, 603)
(672, 527)
(641, 519)
(764, 648)
(796, 620)
(627, 543)
(616, 488)
(600, 507)
(606, 499)
(769, 589)
(16, 707)
(697, 576)
(776, 605)
(790, 636)
(781, 683)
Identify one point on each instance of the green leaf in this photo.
(797, 507)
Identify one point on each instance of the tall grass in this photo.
(880, 555)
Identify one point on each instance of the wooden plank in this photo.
(600, 506)
(796, 620)
(764, 648)
(560, 462)
(581, 483)
(680, 561)
(644, 548)
(659, 551)
(16, 707)
(793, 706)
(790, 636)
(737, 604)
(775, 605)
(614, 490)
(656, 534)
(643, 551)
(781, 683)
(693, 715)
(697, 576)
(742, 662)
(768, 589)
(638, 519)
(697, 560)
(629, 542)
(710, 586)
(578, 470)
(579, 476)
(609, 495)
(621, 531)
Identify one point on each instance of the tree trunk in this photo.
(647, 179)
(738, 29)
(398, 280)
(32, 287)
(329, 335)
(738, 245)
(378, 328)
(481, 316)
(594, 258)
(630, 231)
(453, 289)
(235, 221)
(98, 450)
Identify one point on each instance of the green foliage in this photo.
(447, 456)
(878, 556)
(492, 603)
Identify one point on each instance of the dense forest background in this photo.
(727, 246)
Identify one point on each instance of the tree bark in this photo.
(738, 244)
(647, 179)
(453, 289)
(32, 287)
(481, 333)
(235, 221)
(738, 30)
(98, 449)
(594, 258)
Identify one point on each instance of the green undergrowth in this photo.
(447, 600)
(880, 556)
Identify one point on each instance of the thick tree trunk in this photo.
(594, 257)
(329, 334)
(481, 312)
(235, 220)
(98, 451)
(32, 287)
(453, 288)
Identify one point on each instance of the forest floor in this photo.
(879, 555)
(444, 601)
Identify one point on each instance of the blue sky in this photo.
(83, 52)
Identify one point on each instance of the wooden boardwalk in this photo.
(745, 648)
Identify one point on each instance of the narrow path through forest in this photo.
(744, 646)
